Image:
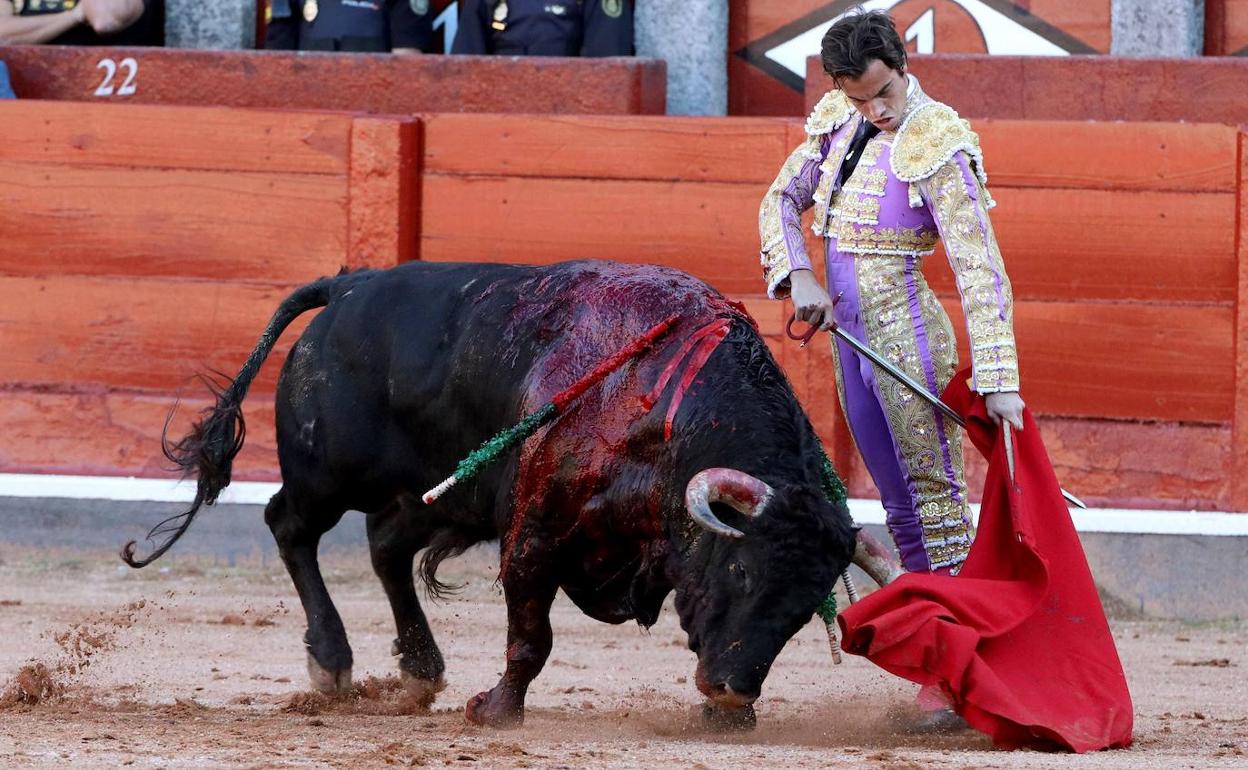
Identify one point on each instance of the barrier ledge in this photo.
(372, 83)
(1208, 90)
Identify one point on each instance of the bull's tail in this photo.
(207, 452)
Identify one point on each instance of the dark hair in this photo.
(852, 42)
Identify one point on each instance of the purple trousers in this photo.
(913, 453)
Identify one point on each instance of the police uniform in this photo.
(362, 26)
(149, 30)
(545, 28)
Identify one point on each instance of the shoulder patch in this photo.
(829, 114)
(928, 138)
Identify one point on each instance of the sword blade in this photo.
(919, 390)
(898, 375)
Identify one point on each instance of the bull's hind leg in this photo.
(529, 589)
(393, 541)
(298, 528)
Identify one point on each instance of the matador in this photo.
(882, 200)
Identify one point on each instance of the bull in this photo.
(624, 499)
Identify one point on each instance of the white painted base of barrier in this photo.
(864, 511)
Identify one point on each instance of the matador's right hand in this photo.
(811, 302)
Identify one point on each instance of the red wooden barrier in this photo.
(117, 433)
(1239, 437)
(1077, 88)
(246, 195)
(143, 244)
(375, 83)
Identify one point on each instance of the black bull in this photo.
(407, 370)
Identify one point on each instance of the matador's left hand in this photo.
(1005, 406)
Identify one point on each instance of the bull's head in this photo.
(772, 557)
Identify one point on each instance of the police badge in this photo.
(613, 8)
(420, 7)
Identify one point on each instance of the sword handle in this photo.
(803, 338)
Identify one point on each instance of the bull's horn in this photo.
(725, 485)
(875, 560)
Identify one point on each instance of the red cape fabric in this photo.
(1017, 643)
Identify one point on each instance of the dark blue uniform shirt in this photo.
(364, 26)
(545, 28)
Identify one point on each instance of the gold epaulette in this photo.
(928, 138)
(829, 114)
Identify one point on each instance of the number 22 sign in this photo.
(130, 70)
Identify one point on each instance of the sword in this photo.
(901, 377)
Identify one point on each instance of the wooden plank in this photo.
(388, 85)
(1239, 436)
(1178, 157)
(112, 434)
(1077, 88)
(1050, 154)
(607, 147)
(195, 224)
(150, 334)
(383, 189)
(210, 139)
(1122, 360)
(1115, 464)
(1109, 245)
(1088, 244)
(707, 229)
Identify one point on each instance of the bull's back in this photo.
(403, 375)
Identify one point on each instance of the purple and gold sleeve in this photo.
(959, 203)
(780, 216)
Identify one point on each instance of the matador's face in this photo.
(879, 94)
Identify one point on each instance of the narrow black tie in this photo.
(866, 130)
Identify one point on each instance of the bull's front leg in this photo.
(529, 591)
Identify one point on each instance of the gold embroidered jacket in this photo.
(922, 184)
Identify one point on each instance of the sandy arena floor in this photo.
(202, 666)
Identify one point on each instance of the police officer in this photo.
(83, 22)
(362, 26)
(545, 27)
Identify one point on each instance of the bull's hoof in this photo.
(422, 691)
(485, 710)
(723, 719)
(424, 666)
(328, 682)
